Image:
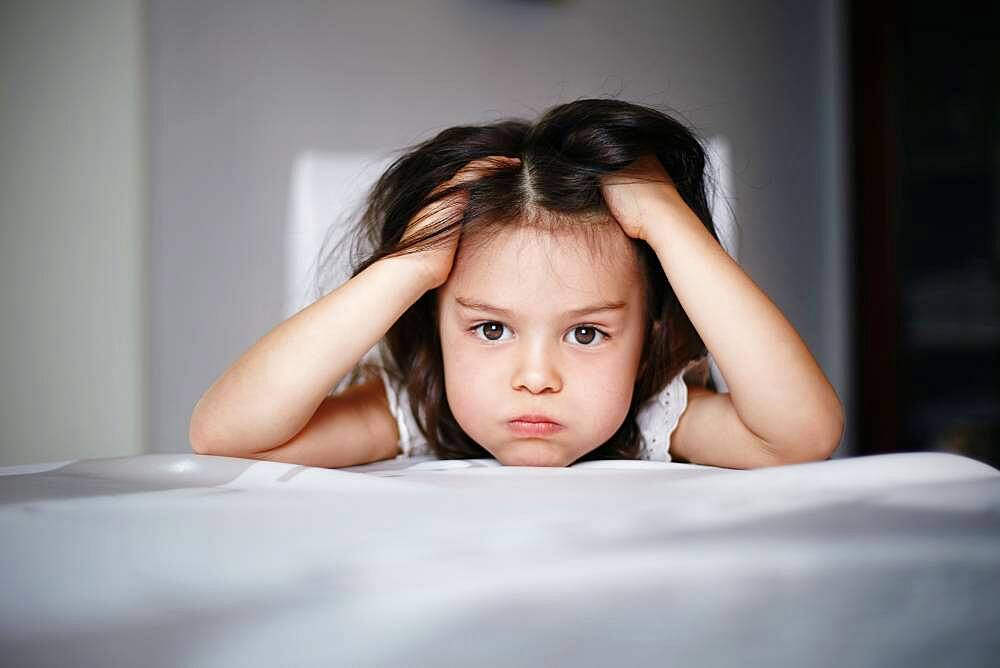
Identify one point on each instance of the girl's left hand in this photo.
(640, 195)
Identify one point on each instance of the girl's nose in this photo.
(536, 370)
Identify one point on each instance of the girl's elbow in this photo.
(198, 440)
(829, 432)
(203, 439)
(816, 443)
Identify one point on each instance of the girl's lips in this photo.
(533, 417)
(533, 425)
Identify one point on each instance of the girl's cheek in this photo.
(464, 363)
(472, 377)
(459, 350)
(470, 389)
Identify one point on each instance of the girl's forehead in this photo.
(598, 260)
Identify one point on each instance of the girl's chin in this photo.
(534, 452)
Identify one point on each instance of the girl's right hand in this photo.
(436, 263)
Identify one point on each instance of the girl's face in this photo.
(534, 323)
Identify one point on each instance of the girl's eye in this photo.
(584, 335)
(491, 331)
(587, 335)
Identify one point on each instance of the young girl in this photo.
(541, 293)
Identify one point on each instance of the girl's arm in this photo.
(780, 407)
(270, 393)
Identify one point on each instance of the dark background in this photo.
(925, 127)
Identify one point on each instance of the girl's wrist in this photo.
(411, 271)
(668, 222)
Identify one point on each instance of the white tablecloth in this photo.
(195, 560)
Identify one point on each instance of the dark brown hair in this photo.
(563, 156)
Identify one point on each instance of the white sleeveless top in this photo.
(657, 419)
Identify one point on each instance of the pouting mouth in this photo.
(534, 419)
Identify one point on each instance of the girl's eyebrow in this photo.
(585, 310)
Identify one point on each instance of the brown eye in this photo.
(587, 336)
(492, 331)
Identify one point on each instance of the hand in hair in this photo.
(638, 195)
(436, 262)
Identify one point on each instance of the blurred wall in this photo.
(74, 294)
(239, 89)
